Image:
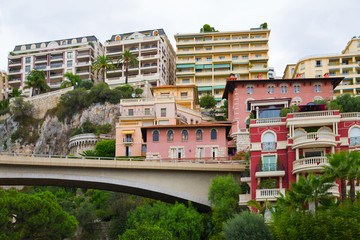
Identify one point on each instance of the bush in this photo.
(21, 109)
(146, 232)
(105, 148)
(246, 226)
(73, 102)
(87, 84)
(207, 101)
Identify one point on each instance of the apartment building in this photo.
(54, 58)
(207, 59)
(285, 148)
(253, 96)
(156, 58)
(345, 64)
(4, 92)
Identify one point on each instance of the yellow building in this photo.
(346, 64)
(4, 91)
(185, 95)
(207, 59)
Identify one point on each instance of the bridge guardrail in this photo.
(216, 160)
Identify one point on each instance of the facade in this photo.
(87, 141)
(156, 58)
(207, 59)
(140, 112)
(345, 64)
(54, 58)
(241, 92)
(4, 85)
(285, 148)
(185, 95)
(198, 141)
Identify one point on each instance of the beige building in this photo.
(345, 64)
(207, 59)
(4, 91)
(54, 58)
(155, 55)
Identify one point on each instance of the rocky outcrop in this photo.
(54, 134)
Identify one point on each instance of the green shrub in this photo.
(105, 148)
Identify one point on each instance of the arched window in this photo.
(199, 135)
(354, 136)
(170, 135)
(156, 136)
(184, 135)
(213, 134)
(268, 141)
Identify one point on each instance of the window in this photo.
(332, 74)
(271, 89)
(217, 92)
(317, 87)
(184, 135)
(318, 63)
(258, 55)
(221, 57)
(69, 63)
(268, 141)
(163, 112)
(296, 88)
(235, 57)
(70, 55)
(269, 163)
(200, 151)
(28, 60)
(208, 80)
(208, 49)
(199, 135)
(244, 57)
(27, 68)
(131, 112)
(156, 136)
(213, 134)
(186, 80)
(198, 59)
(358, 44)
(214, 152)
(345, 72)
(147, 111)
(209, 59)
(354, 136)
(170, 135)
(284, 89)
(345, 62)
(250, 90)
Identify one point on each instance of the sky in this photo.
(298, 28)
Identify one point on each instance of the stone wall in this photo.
(242, 140)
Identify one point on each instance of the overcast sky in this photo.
(298, 28)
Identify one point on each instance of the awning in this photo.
(128, 131)
(219, 87)
(208, 66)
(199, 67)
(204, 88)
(190, 36)
(347, 68)
(185, 66)
(347, 89)
(225, 65)
(240, 63)
(334, 69)
(218, 99)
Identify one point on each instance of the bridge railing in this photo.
(214, 160)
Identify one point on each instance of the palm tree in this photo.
(36, 81)
(128, 60)
(338, 168)
(354, 171)
(320, 189)
(102, 63)
(260, 207)
(73, 80)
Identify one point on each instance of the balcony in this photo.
(56, 65)
(11, 63)
(313, 118)
(138, 114)
(15, 71)
(270, 170)
(128, 140)
(56, 58)
(269, 194)
(310, 164)
(83, 54)
(39, 67)
(56, 75)
(38, 60)
(243, 199)
(314, 139)
(83, 63)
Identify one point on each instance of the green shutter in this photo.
(208, 66)
(199, 67)
(204, 88)
(185, 66)
(219, 87)
(225, 65)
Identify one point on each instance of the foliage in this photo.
(87, 84)
(36, 216)
(345, 103)
(267, 184)
(72, 80)
(207, 101)
(138, 91)
(126, 90)
(4, 107)
(322, 101)
(105, 148)
(264, 25)
(225, 108)
(15, 92)
(88, 127)
(36, 80)
(21, 109)
(207, 28)
(183, 222)
(129, 60)
(100, 65)
(246, 226)
(146, 232)
(284, 112)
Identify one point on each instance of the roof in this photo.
(122, 35)
(78, 40)
(218, 32)
(231, 82)
(173, 86)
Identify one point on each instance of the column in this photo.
(257, 112)
(332, 149)
(280, 183)
(297, 177)
(297, 153)
(336, 126)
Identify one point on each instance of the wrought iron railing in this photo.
(269, 167)
(268, 145)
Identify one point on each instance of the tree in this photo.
(354, 172)
(264, 25)
(87, 84)
(128, 60)
(207, 101)
(146, 232)
(258, 206)
(346, 103)
(138, 92)
(126, 90)
(338, 168)
(15, 92)
(100, 65)
(207, 28)
(21, 109)
(246, 226)
(36, 80)
(72, 80)
(105, 148)
(36, 216)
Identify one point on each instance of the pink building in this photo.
(196, 141)
(240, 93)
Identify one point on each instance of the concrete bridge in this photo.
(166, 180)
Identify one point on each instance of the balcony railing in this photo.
(269, 167)
(56, 57)
(313, 137)
(128, 140)
(56, 65)
(268, 120)
(313, 114)
(40, 67)
(354, 141)
(244, 198)
(350, 115)
(268, 145)
(83, 54)
(270, 194)
(309, 164)
(14, 71)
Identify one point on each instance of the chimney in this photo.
(326, 75)
(298, 75)
(259, 76)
